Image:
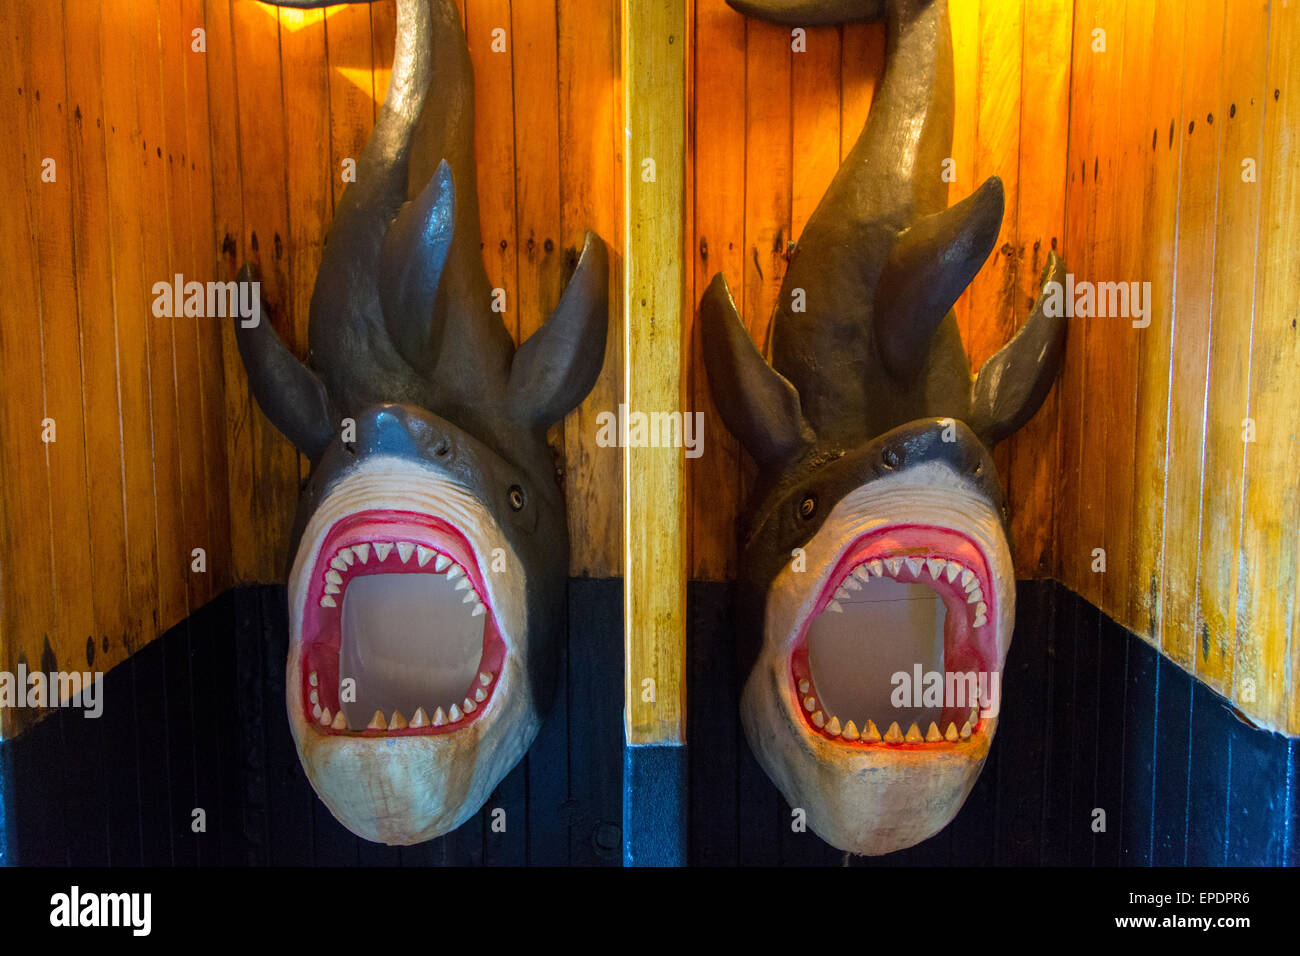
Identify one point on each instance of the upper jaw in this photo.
(905, 528)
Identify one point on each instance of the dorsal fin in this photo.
(929, 267)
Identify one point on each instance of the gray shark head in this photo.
(876, 590)
(430, 550)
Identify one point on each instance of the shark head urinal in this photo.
(429, 555)
(877, 591)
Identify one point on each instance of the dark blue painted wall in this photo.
(1092, 717)
(196, 719)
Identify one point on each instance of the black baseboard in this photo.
(195, 721)
(1092, 718)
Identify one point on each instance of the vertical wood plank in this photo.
(1193, 293)
(717, 215)
(1157, 258)
(151, 218)
(1240, 111)
(1044, 137)
(56, 322)
(591, 183)
(99, 378)
(1267, 641)
(125, 149)
(263, 159)
(28, 605)
(654, 56)
(494, 139)
(197, 188)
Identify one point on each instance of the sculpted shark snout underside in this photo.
(430, 549)
(876, 589)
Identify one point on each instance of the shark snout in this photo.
(946, 441)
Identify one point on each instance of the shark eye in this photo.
(516, 497)
(892, 457)
(808, 507)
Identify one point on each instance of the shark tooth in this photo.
(454, 713)
(340, 722)
(835, 606)
(850, 731)
(951, 733)
(833, 728)
(423, 555)
(932, 735)
(819, 719)
(405, 549)
(377, 722)
(914, 565)
(954, 569)
(894, 565)
(871, 732)
(439, 718)
(419, 718)
(381, 550)
(877, 567)
(327, 601)
(913, 735)
(936, 566)
(454, 571)
(440, 562)
(398, 722)
(893, 735)
(362, 551)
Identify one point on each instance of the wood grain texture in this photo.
(654, 62)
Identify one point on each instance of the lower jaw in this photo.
(864, 800)
(406, 789)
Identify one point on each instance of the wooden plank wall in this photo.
(769, 128)
(1178, 439)
(1130, 161)
(169, 159)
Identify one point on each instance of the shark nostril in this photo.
(442, 449)
(808, 507)
(516, 497)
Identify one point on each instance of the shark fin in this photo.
(288, 392)
(928, 269)
(558, 364)
(414, 253)
(758, 404)
(1013, 383)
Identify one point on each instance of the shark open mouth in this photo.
(399, 635)
(907, 600)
